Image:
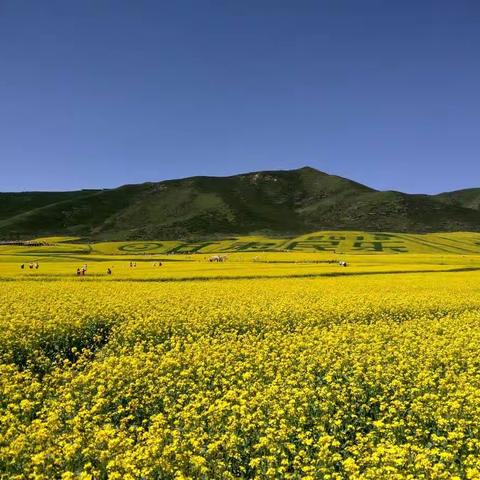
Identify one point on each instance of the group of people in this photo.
(82, 270)
(31, 265)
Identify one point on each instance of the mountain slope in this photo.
(286, 202)
(468, 198)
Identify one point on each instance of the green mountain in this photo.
(273, 202)
(469, 198)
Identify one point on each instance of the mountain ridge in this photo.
(271, 201)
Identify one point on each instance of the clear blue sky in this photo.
(98, 93)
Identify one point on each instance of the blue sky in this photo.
(97, 93)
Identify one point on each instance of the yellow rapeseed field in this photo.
(354, 377)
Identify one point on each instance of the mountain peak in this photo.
(307, 168)
(316, 171)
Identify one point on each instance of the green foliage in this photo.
(269, 203)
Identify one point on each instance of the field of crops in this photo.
(268, 366)
(332, 242)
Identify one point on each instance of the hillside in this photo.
(469, 198)
(273, 202)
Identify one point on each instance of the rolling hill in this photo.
(469, 198)
(270, 202)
